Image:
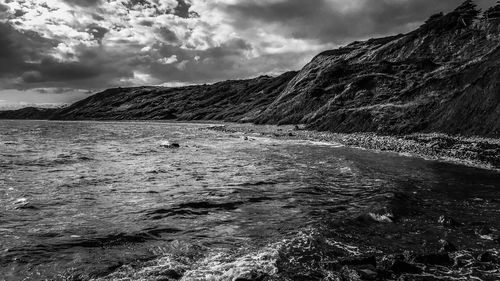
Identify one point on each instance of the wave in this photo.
(181, 261)
(211, 205)
(61, 159)
(33, 254)
(193, 209)
(346, 249)
(288, 259)
(255, 183)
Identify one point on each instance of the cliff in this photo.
(443, 77)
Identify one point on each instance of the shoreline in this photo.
(477, 152)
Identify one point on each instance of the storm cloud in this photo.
(335, 21)
(85, 3)
(96, 44)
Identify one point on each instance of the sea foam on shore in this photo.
(471, 151)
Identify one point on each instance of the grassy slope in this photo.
(239, 100)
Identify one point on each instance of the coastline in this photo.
(477, 152)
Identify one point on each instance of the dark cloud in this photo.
(97, 31)
(326, 21)
(18, 50)
(182, 10)
(148, 23)
(4, 12)
(138, 2)
(3, 8)
(24, 60)
(19, 13)
(227, 61)
(97, 17)
(95, 68)
(131, 3)
(51, 70)
(83, 3)
(168, 35)
(7, 45)
(32, 76)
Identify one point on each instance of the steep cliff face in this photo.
(442, 77)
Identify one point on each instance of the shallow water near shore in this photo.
(112, 201)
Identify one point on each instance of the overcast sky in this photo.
(56, 51)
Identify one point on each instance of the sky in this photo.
(60, 51)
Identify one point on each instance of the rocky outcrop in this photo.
(443, 77)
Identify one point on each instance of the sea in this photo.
(117, 201)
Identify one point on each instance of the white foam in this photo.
(21, 201)
(381, 218)
(346, 170)
(223, 266)
(217, 265)
(324, 143)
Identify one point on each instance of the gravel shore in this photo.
(472, 151)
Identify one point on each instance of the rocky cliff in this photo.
(442, 77)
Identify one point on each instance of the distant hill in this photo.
(239, 100)
(28, 113)
(442, 77)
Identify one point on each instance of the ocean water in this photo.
(111, 201)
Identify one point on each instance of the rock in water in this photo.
(447, 246)
(367, 274)
(170, 145)
(404, 267)
(442, 259)
(486, 257)
(448, 221)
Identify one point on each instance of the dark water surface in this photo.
(109, 201)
